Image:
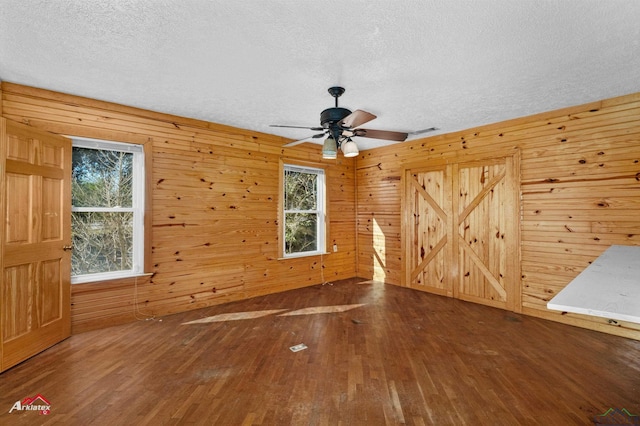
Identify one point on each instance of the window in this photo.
(107, 223)
(303, 211)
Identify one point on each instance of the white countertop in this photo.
(609, 287)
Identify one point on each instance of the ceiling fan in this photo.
(340, 124)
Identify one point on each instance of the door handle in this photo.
(67, 248)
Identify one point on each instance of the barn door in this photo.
(428, 196)
(487, 232)
(36, 202)
(462, 230)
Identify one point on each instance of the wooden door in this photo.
(428, 196)
(462, 230)
(487, 227)
(36, 241)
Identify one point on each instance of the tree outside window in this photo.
(303, 210)
(105, 209)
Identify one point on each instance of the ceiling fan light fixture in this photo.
(330, 149)
(350, 149)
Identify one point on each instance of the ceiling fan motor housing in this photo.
(333, 116)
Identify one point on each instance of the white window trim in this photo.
(137, 207)
(320, 211)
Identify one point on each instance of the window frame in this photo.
(322, 230)
(138, 207)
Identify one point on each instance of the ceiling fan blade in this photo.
(317, 129)
(356, 118)
(299, 141)
(381, 134)
(294, 143)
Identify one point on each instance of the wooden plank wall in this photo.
(214, 192)
(580, 192)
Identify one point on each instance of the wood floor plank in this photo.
(402, 357)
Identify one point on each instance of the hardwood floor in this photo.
(402, 357)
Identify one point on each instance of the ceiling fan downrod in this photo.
(336, 92)
(330, 117)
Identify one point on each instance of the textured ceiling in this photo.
(415, 64)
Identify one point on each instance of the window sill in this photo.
(112, 284)
(302, 255)
(93, 281)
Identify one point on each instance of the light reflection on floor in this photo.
(322, 310)
(234, 316)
